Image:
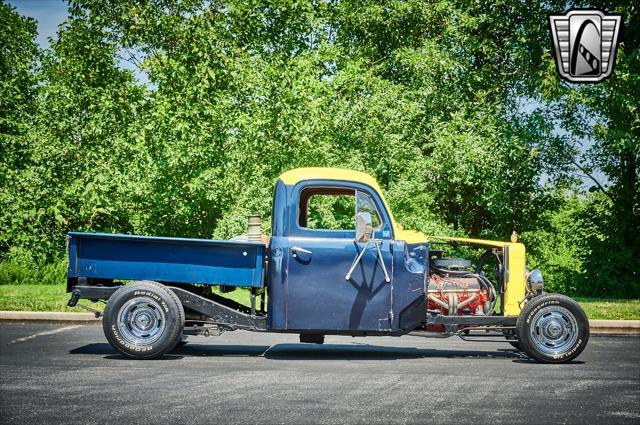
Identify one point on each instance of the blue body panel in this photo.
(319, 297)
(128, 257)
(309, 292)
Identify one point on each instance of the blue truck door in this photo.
(322, 248)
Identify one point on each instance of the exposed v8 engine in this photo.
(454, 290)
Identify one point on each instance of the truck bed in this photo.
(163, 259)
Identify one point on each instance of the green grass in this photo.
(39, 298)
(241, 296)
(54, 298)
(598, 308)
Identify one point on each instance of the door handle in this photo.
(297, 250)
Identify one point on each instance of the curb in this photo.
(626, 327)
(603, 327)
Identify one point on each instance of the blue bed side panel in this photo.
(128, 257)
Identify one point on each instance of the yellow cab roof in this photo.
(297, 175)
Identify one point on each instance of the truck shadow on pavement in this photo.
(309, 352)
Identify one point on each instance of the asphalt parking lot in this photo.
(58, 374)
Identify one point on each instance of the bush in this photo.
(22, 270)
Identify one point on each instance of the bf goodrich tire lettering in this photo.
(143, 320)
(552, 328)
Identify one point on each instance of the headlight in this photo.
(534, 281)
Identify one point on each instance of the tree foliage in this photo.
(428, 96)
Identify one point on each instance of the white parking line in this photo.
(51, 332)
(265, 351)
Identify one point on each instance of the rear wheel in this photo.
(552, 329)
(143, 320)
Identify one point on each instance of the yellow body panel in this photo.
(514, 252)
(410, 236)
(298, 175)
(515, 287)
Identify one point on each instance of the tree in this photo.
(18, 86)
(605, 119)
(426, 96)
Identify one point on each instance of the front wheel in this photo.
(143, 320)
(552, 328)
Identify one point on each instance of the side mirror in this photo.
(364, 233)
(364, 228)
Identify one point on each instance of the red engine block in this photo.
(456, 295)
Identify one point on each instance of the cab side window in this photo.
(327, 208)
(322, 208)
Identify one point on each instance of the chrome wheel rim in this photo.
(554, 330)
(141, 321)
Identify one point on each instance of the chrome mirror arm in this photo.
(379, 259)
(357, 260)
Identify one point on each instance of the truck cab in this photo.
(313, 246)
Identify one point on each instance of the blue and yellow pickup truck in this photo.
(336, 263)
